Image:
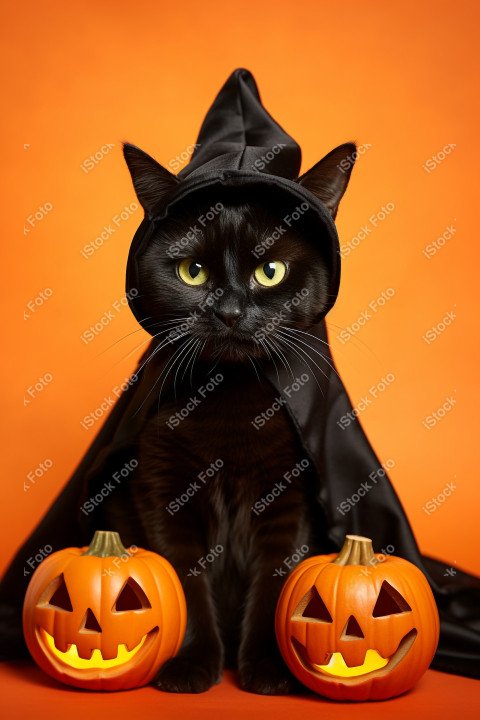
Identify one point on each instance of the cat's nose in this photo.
(228, 317)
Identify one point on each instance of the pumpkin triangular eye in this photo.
(389, 602)
(60, 598)
(131, 597)
(90, 622)
(312, 607)
(352, 629)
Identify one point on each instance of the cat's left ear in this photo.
(152, 182)
(328, 179)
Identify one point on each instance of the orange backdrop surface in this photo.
(398, 78)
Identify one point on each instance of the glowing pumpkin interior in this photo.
(131, 598)
(312, 609)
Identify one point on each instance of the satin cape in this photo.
(241, 145)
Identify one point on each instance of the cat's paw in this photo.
(267, 676)
(183, 675)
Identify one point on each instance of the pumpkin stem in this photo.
(106, 543)
(356, 550)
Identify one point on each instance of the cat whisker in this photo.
(218, 352)
(296, 340)
(196, 355)
(312, 348)
(270, 356)
(281, 355)
(190, 357)
(144, 342)
(175, 381)
(356, 341)
(184, 355)
(119, 340)
(152, 325)
(293, 348)
(160, 346)
(214, 366)
(167, 368)
(254, 367)
(289, 327)
(170, 365)
(315, 337)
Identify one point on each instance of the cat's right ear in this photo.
(152, 182)
(328, 179)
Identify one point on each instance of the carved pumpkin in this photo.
(102, 617)
(357, 626)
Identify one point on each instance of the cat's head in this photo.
(230, 273)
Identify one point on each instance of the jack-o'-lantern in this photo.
(103, 617)
(357, 626)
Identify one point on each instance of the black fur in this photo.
(226, 548)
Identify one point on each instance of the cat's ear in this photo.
(328, 179)
(152, 182)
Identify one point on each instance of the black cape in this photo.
(240, 144)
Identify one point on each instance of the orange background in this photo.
(398, 76)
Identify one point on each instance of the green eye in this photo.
(270, 273)
(192, 272)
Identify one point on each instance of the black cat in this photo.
(226, 312)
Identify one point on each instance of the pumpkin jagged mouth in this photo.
(96, 661)
(373, 665)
